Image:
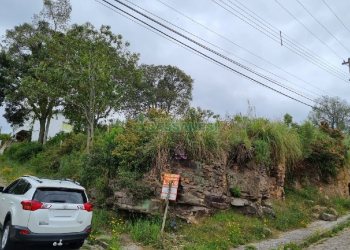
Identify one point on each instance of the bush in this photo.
(328, 152)
(23, 151)
(48, 162)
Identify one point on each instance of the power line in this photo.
(324, 27)
(228, 52)
(314, 59)
(241, 47)
(149, 29)
(193, 49)
(285, 36)
(301, 23)
(339, 19)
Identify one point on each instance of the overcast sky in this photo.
(217, 88)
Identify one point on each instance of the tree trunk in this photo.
(90, 137)
(48, 121)
(42, 123)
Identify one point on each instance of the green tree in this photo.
(33, 91)
(288, 119)
(5, 65)
(56, 13)
(162, 87)
(97, 70)
(332, 110)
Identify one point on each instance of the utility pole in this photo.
(348, 62)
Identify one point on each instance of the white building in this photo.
(58, 124)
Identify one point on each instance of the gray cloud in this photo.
(216, 88)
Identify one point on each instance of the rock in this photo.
(253, 209)
(266, 203)
(269, 211)
(219, 205)
(191, 199)
(318, 209)
(120, 194)
(239, 202)
(328, 217)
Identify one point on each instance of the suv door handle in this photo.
(12, 203)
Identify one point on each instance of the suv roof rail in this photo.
(70, 180)
(33, 177)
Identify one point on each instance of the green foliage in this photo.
(145, 231)
(5, 137)
(161, 87)
(283, 142)
(331, 110)
(328, 152)
(56, 157)
(224, 230)
(235, 192)
(307, 133)
(97, 71)
(24, 151)
(262, 152)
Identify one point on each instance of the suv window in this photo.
(21, 188)
(60, 195)
(10, 187)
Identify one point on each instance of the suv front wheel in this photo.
(6, 243)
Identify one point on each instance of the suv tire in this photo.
(5, 242)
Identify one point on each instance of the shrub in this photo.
(23, 151)
(328, 152)
(262, 152)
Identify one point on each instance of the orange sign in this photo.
(170, 180)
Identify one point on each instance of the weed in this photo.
(235, 192)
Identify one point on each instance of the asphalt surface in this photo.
(338, 242)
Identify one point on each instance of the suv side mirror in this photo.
(1, 189)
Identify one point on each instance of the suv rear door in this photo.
(62, 211)
(11, 199)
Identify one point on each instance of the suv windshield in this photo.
(60, 195)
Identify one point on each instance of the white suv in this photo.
(33, 210)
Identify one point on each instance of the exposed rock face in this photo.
(340, 186)
(205, 188)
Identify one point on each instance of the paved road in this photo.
(338, 242)
(299, 235)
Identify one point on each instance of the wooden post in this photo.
(166, 207)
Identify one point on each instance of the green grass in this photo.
(10, 171)
(223, 230)
(145, 231)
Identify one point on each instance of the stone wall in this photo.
(205, 188)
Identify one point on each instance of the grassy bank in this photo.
(220, 231)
